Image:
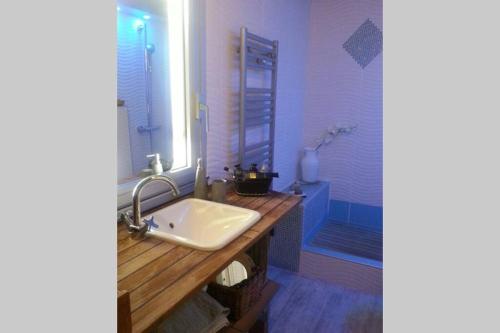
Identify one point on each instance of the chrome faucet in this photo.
(136, 224)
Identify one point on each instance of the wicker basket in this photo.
(240, 297)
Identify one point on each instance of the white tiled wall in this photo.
(319, 84)
(340, 91)
(284, 20)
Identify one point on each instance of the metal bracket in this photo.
(201, 107)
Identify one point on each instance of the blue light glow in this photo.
(146, 17)
(118, 8)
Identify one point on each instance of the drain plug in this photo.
(171, 225)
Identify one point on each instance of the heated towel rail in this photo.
(257, 105)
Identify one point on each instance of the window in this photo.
(157, 57)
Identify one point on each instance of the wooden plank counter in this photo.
(158, 275)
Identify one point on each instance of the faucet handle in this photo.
(131, 227)
(127, 219)
(150, 223)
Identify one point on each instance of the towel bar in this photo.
(257, 54)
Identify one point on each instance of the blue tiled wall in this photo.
(339, 210)
(359, 214)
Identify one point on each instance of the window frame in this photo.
(158, 193)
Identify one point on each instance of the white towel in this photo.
(201, 313)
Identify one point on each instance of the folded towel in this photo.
(201, 313)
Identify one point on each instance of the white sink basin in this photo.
(201, 224)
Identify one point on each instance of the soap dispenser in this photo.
(200, 183)
(156, 164)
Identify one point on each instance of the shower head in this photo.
(150, 48)
(138, 25)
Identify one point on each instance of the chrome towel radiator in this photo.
(257, 105)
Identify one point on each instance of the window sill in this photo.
(184, 178)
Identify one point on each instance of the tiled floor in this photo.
(305, 305)
(349, 239)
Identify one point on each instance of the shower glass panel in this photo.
(150, 85)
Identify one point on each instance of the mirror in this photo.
(150, 85)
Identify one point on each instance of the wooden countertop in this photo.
(158, 275)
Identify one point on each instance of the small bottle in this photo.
(156, 164)
(200, 183)
(219, 190)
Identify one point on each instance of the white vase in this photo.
(310, 165)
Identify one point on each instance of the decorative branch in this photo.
(332, 132)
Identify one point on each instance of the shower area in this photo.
(343, 213)
(332, 240)
(343, 230)
(143, 101)
(340, 222)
